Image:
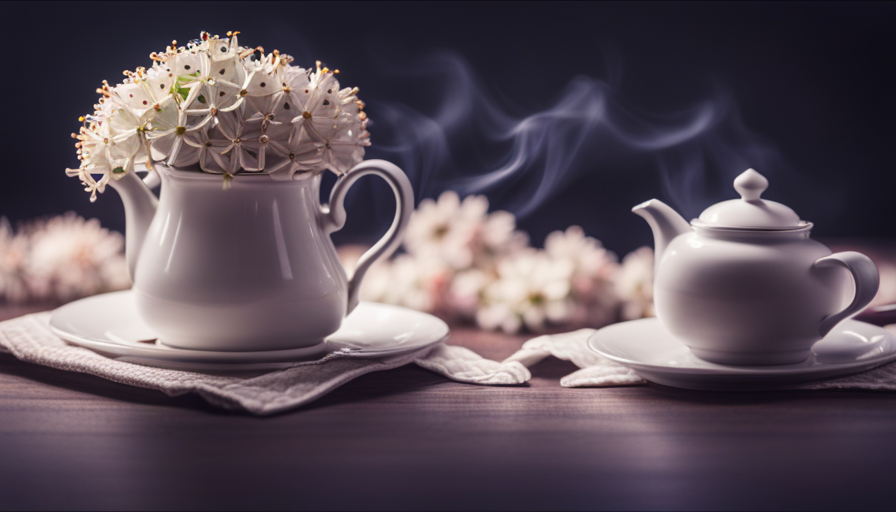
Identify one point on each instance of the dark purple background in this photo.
(814, 81)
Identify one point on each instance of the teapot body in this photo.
(248, 268)
(744, 284)
(748, 297)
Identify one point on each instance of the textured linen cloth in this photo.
(596, 371)
(29, 339)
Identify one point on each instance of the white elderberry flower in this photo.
(587, 254)
(498, 233)
(296, 87)
(210, 151)
(72, 257)
(532, 290)
(222, 49)
(300, 153)
(125, 146)
(13, 264)
(93, 144)
(238, 132)
(438, 228)
(340, 144)
(594, 271)
(462, 233)
(410, 282)
(634, 284)
(190, 68)
(466, 291)
(134, 97)
(158, 84)
(167, 135)
(320, 105)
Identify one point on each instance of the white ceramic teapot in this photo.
(745, 285)
(251, 267)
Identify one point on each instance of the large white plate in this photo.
(109, 324)
(648, 348)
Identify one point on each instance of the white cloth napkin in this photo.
(29, 339)
(596, 371)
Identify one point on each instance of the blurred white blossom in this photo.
(13, 258)
(462, 234)
(886, 294)
(634, 284)
(60, 259)
(417, 283)
(462, 262)
(531, 289)
(592, 281)
(466, 291)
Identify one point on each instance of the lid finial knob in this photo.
(750, 185)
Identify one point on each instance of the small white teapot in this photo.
(249, 268)
(745, 285)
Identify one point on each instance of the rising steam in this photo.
(524, 160)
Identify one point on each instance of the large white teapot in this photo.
(251, 267)
(745, 285)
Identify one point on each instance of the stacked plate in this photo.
(109, 324)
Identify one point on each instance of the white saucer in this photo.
(647, 347)
(109, 324)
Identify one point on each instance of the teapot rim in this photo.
(802, 226)
(207, 176)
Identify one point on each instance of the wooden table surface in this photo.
(408, 438)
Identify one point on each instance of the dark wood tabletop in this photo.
(408, 438)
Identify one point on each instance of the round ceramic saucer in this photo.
(646, 347)
(109, 324)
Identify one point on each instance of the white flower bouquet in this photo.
(222, 108)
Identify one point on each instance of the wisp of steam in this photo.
(588, 129)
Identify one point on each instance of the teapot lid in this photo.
(749, 212)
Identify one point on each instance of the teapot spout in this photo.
(665, 223)
(139, 209)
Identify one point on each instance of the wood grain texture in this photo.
(408, 438)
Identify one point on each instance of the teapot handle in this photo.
(867, 279)
(152, 178)
(333, 218)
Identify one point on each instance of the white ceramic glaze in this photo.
(656, 355)
(744, 283)
(750, 211)
(110, 324)
(249, 268)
